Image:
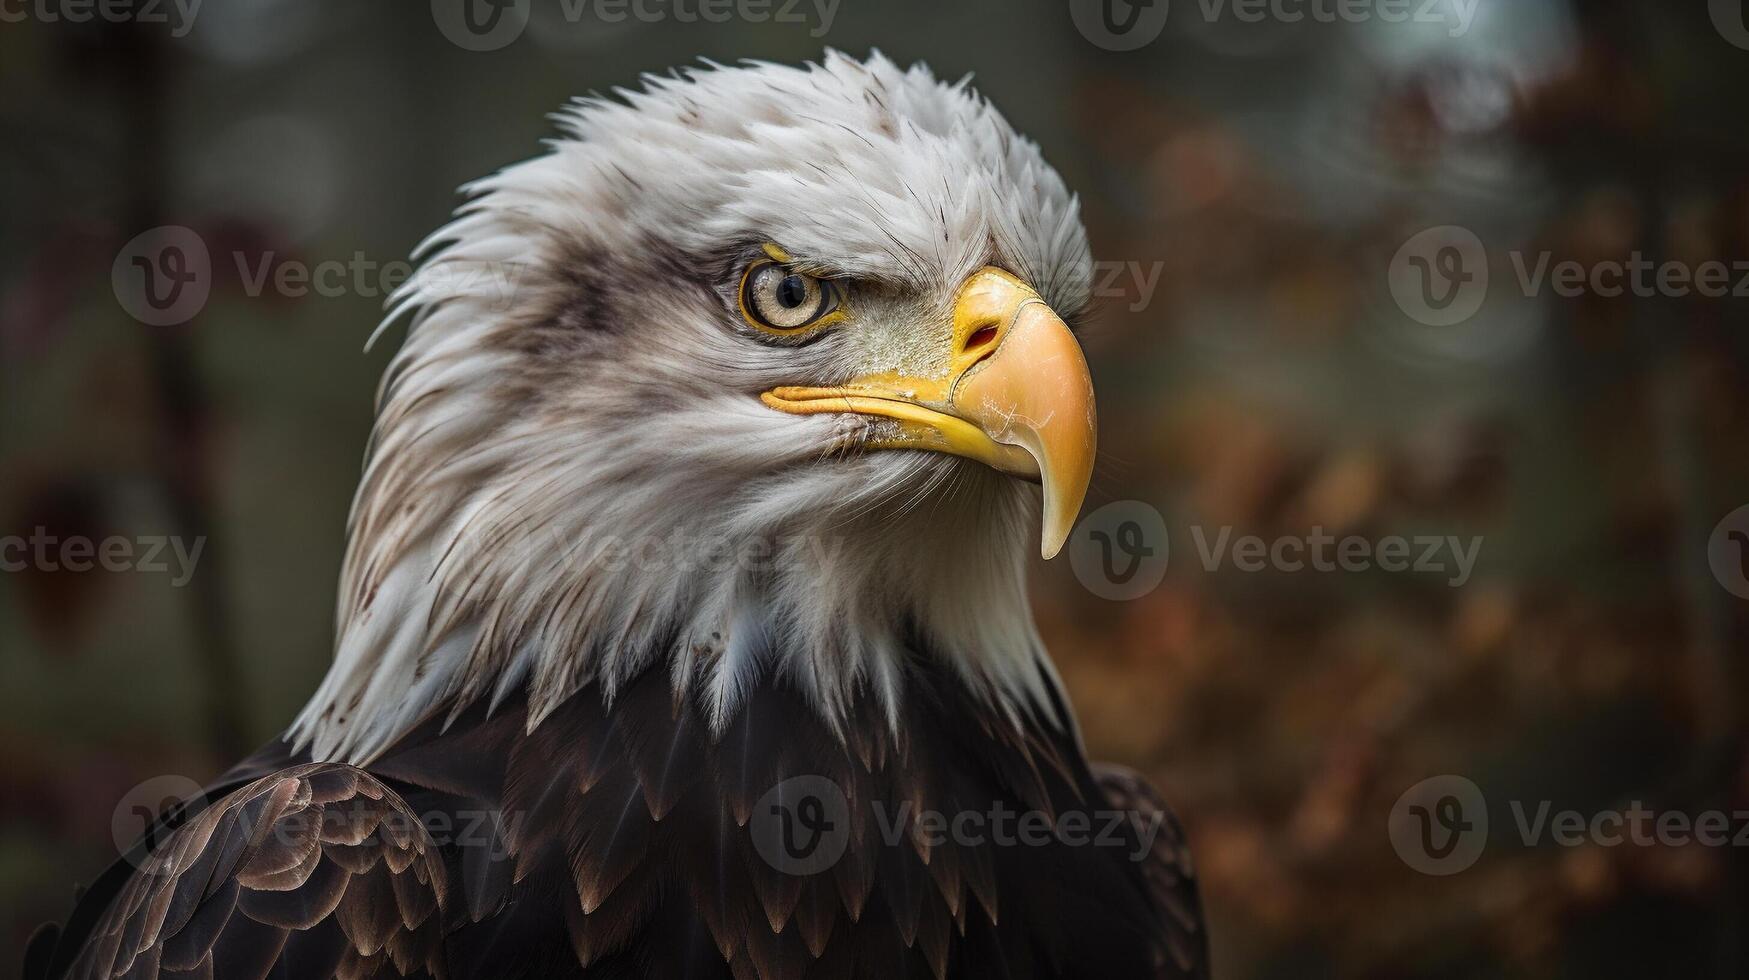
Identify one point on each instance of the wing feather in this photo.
(315, 870)
(1170, 874)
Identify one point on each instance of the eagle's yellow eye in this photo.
(777, 297)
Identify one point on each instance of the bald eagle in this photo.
(683, 629)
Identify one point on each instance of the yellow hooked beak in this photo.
(1014, 395)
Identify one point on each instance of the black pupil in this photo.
(792, 291)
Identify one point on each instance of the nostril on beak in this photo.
(988, 303)
(980, 345)
(983, 337)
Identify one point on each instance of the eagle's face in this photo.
(779, 380)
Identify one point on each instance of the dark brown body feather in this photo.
(615, 842)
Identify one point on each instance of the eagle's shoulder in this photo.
(1171, 875)
(314, 870)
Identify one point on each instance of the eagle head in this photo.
(761, 371)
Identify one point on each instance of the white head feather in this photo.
(572, 479)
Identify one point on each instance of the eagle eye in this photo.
(775, 296)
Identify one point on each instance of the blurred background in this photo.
(1282, 349)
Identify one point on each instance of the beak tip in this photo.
(1056, 533)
